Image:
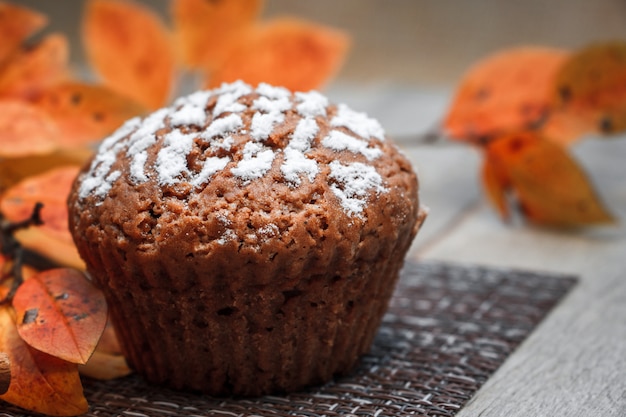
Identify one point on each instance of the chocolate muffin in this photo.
(247, 239)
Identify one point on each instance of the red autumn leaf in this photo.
(129, 46)
(39, 382)
(507, 91)
(17, 23)
(289, 52)
(52, 239)
(25, 130)
(84, 112)
(61, 313)
(35, 68)
(205, 29)
(590, 89)
(549, 186)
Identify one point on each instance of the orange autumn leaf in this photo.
(507, 91)
(496, 186)
(5, 372)
(107, 361)
(16, 169)
(52, 239)
(129, 47)
(17, 23)
(39, 382)
(549, 186)
(86, 113)
(61, 313)
(289, 52)
(35, 68)
(25, 130)
(591, 88)
(205, 29)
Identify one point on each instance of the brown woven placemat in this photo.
(449, 327)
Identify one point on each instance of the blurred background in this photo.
(419, 42)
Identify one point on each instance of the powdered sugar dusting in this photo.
(263, 124)
(257, 160)
(222, 126)
(272, 92)
(354, 182)
(311, 104)
(188, 114)
(339, 141)
(222, 129)
(357, 122)
(171, 161)
(296, 163)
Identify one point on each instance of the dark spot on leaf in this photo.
(516, 145)
(79, 317)
(30, 316)
(606, 125)
(76, 99)
(482, 94)
(565, 92)
(98, 117)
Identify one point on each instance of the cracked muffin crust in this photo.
(247, 239)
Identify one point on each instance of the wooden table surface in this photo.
(574, 363)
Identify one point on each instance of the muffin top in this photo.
(242, 165)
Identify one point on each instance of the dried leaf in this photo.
(105, 366)
(35, 68)
(550, 187)
(61, 313)
(39, 382)
(129, 46)
(25, 130)
(496, 185)
(289, 52)
(86, 113)
(5, 372)
(591, 88)
(508, 91)
(53, 238)
(206, 29)
(14, 170)
(17, 23)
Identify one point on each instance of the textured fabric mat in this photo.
(448, 328)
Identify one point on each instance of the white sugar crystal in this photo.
(210, 167)
(296, 163)
(222, 126)
(267, 105)
(305, 131)
(339, 141)
(263, 125)
(126, 129)
(227, 102)
(255, 163)
(171, 160)
(104, 187)
(272, 92)
(137, 167)
(311, 104)
(355, 181)
(188, 114)
(198, 99)
(357, 122)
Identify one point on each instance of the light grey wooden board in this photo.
(574, 363)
